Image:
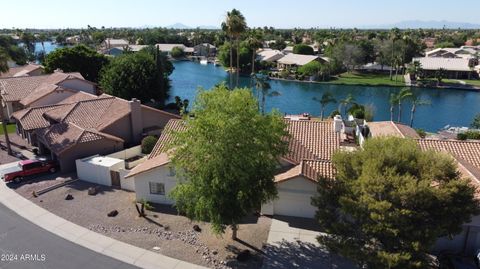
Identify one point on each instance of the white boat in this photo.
(204, 62)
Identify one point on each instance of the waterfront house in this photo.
(462, 52)
(455, 68)
(167, 48)
(84, 125)
(114, 43)
(292, 61)
(20, 92)
(205, 50)
(23, 71)
(269, 55)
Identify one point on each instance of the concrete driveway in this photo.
(292, 243)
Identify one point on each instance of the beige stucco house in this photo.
(18, 93)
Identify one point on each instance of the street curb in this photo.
(86, 238)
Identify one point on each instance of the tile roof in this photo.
(63, 136)
(20, 70)
(169, 47)
(269, 55)
(17, 88)
(173, 125)
(40, 92)
(77, 97)
(310, 169)
(149, 164)
(32, 118)
(390, 128)
(311, 140)
(468, 151)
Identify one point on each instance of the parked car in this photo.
(26, 168)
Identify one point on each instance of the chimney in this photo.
(136, 120)
(337, 123)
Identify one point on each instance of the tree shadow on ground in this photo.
(255, 260)
(288, 255)
(301, 223)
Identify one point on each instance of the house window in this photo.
(157, 188)
(172, 171)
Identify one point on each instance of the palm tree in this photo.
(235, 26)
(226, 29)
(393, 102)
(394, 35)
(404, 93)
(415, 69)
(345, 102)
(326, 99)
(440, 75)
(415, 103)
(264, 88)
(254, 43)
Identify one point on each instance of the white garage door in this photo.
(294, 204)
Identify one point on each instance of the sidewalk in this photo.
(86, 238)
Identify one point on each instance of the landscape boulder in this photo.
(92, 191)
(113, 213)
(244, 255)
(196, 228)
(69, 197)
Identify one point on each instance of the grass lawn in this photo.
(10, 129)
(367, 79)
(474, 82)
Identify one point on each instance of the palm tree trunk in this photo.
(263, 102)
(399, 111)
(238, 62)
(412, 115)
(391, 113)
(321, 112)
(230, 74)
(253, 61)
(391, 63)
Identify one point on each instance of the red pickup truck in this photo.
(27, 168)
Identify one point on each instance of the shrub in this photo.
(177, 52)
(148, 143)
(334, 113)
(303, 49)
(421, 133)
(462, 136)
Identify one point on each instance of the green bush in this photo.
(148, 143)
(177, 52)
(475, 135)
(303, 49)
(421, 133)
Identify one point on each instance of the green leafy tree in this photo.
(76, 59)
(139, 75)
(225, 180)
(4, 60)
(327, 98)
(440, 74)
(177, 52)
(387, 205)
(148, 143)
(303, 49)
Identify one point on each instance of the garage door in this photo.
(294, 204)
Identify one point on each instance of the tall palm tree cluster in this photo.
(234, 26)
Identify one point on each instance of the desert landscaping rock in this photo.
(173, 234)
(92, 191)
(69, 197)
(196, 228)
(113, 213)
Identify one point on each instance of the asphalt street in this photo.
(23, 245)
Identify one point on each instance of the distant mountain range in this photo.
(183, 26)
(415, 24)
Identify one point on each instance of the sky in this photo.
(259, 13)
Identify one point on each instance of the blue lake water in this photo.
(448, 106)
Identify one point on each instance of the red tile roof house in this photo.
(23, 71)
(83, 125)
(30, 91)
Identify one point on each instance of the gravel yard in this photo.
(163, 230)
